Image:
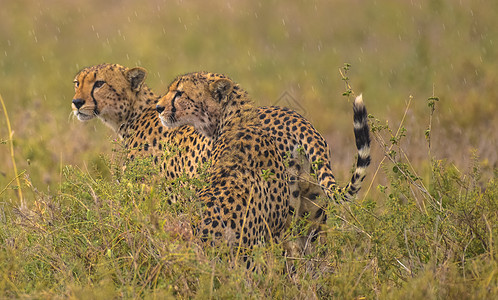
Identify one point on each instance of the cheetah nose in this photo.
(78, 103)
(159, 108)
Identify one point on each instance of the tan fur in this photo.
(239, 197)
(127, 105)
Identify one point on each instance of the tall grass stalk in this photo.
(12, 156)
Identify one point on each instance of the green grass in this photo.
(107, 234)
(424, 225)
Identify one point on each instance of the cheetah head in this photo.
(195, 99)
(106, 91)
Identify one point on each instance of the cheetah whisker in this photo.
(71, 116)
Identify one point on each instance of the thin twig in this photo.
(12, 156)
(251, 194)
(383, 143)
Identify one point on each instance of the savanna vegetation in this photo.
(73, 224)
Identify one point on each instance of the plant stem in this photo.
(12, 156)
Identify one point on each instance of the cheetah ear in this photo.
(220, 89)
(136, 76)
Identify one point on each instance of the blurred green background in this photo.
(293, 49)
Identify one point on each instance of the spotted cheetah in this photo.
(239, 196)
(120, 98)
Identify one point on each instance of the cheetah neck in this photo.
(140, 105)
(238, 112)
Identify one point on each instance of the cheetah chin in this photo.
(83, 117)
(168, 123)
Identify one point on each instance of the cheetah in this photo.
(238, 196)
(119, 97)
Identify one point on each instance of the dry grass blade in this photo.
(20, 199)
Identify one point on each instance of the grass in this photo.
(20, 201)
(424, 225)
(107, 235)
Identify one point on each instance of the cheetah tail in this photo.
(362, 136)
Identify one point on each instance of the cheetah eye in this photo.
(76, 83)
(99, 83)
